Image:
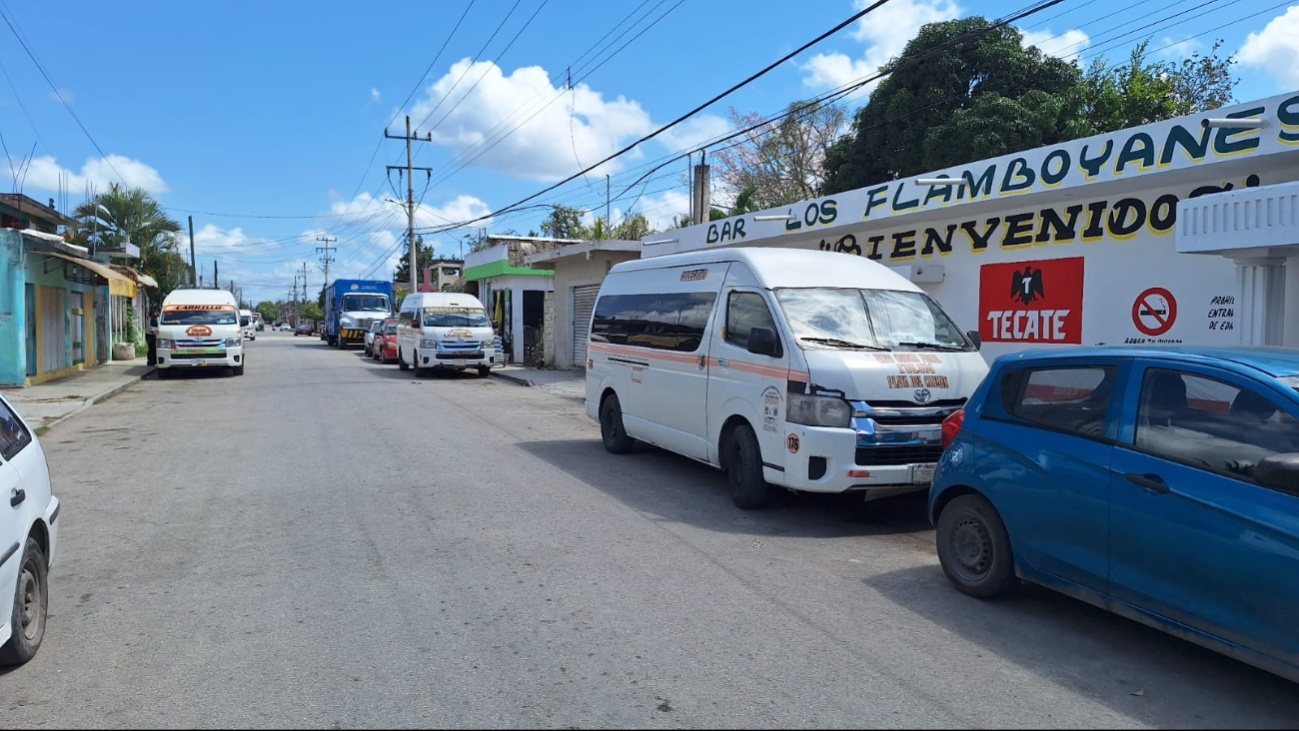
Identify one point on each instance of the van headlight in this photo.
(488, 344)
(426, 343)
(165, 344)
(233, 342)
(818, 410)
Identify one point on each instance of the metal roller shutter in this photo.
(583, 306)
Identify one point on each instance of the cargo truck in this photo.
(352, 306)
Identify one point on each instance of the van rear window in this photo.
(662, 321)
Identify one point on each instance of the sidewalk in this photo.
(569, 384)
(51, 403)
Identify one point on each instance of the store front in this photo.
(1073, 244)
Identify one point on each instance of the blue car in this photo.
(1160, 484)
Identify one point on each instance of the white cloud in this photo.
(661, 210)
(543, 148)
(45, 170)
(383, 214)
(695, 131)
(374, 94)
(885, 31)
(1178, 50)
(1066, 45)
(1275, 49)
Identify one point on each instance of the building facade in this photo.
(579, 270)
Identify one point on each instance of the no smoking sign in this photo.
(1155, 311)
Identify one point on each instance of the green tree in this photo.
(270, 310)
(1142, 90)
(423, 258)
(779, 162)
(310, 311)
(119, 215)
(633, 227)
(565, 223)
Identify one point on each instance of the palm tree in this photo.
(119, 215)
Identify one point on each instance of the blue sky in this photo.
(268, 113)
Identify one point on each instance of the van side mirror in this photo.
(762, 341)
(973, 335)
(1279, 472)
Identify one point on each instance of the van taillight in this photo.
(952, 427)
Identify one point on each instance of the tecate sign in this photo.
(1037, 302)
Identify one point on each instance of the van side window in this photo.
(1071, 399)
(745, 311)
(673, 321)
(1211, 424)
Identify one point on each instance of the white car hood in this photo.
(917, 377)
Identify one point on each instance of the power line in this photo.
(54, 87)
(471, 63)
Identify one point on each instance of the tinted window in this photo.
(1211, 423)
(1070, 399)
(663, 321)
(745, 311)
(13, 435)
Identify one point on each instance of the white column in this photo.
(1261, 309)
(516, 324)
(1290, 305)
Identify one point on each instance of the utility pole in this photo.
(216, 279)
(193, 263)
(324, 251)
(702, 202)
(304, 281)
(608, 220)
(410, 195)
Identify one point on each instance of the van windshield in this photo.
(869, 319)
(199, 315)
(364, 303)
(455, 317)
(245, 321)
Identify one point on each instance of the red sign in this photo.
(1155, 311)
(1031, 302)
(198, 331)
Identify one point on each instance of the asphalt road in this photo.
(325, 542)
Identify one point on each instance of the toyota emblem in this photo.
(923, 395)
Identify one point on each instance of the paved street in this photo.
(326, 542)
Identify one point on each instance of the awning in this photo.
(117, 284)
(136, 276)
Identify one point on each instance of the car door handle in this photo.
(18, 497)
(1150, 482)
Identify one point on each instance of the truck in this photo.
(352, 306)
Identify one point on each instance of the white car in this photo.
(28, 534)
(376, 330)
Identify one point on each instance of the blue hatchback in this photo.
(1161, 484)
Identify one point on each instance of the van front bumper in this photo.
(230, 358)
(833, 460)
(451, 359)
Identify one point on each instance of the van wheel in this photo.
(419, 372)
(749, 489)
(237, 370)
(612, 432)
(974, 548)
(164, 374)
(31, 600)
(484, 371)
(401, 361)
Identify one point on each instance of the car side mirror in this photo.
(973, 335)
(1279, 472)
(762, 341)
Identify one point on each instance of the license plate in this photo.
(462, 363)
(922, 473)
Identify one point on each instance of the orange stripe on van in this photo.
(739, 365)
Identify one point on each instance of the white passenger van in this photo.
(248, 324)
(810, 370)
(444, 330)
(200, 328)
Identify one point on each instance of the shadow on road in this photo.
(1137, 670)
(680, 490)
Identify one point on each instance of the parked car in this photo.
(1162, 485)
(29, 531)
(385, 342)
(376, 327)
(303, 329)
(284, 327)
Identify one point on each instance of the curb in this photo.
(97, 399)
(513, 378)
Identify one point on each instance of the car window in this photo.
(13, 435)
(669, 321)
(1210, 423)
(745, 311)
(1071, 399)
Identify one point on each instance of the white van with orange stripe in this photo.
(809, 370)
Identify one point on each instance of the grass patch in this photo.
(42, 431)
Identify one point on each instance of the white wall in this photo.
(571, 272)
(517, 284)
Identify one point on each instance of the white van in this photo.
(809, 370)
(200, 328)
(444, 330)
(248, 324)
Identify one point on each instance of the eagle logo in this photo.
(1026, 286)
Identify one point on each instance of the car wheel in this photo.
(401, 362)
(749, 489)
(612, 432)
(484, 371)
(974, 549)
(31, 600)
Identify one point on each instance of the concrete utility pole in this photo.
(193, 263)
(216, 276)
(324, 251)
(304, 281)
(702, 199)
(608, 221)
(410, 196)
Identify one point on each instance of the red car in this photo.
(385, 342)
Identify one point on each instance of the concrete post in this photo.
(1261, 313)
